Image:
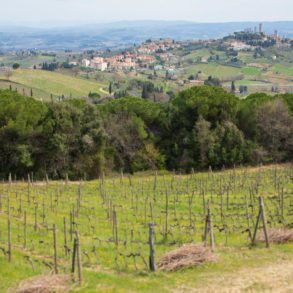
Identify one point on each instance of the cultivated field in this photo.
(45, 83)
(112, 217)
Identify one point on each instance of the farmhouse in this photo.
(85, 62)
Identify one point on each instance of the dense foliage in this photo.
(200, 127)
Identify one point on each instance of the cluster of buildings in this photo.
(98, 63)
(117, 62)
(162, 45)
(239, 46)
(252, 37)
(144, 56)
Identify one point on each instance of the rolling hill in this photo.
(44, 83)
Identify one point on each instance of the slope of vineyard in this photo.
(112, 216)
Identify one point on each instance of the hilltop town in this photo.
(243, 62)
(144, 56)
(152, 53)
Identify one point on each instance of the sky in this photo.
(94, 11)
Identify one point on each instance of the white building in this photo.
(102, 66)
(85, 63)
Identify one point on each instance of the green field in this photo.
(283, 69)
(46, 83)
(26, 62)
(213, 69)
(115, 257)
(197, 54)
(251, 71)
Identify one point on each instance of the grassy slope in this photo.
(233, 270)
(213, 69)
(25, 62)
(236, 269)
(283, 69)
(53, 82)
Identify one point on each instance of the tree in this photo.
(243, 89)
(212, 81)
(228, 147)
(198, 127)
(15, 66)
(233, 88)
(204, 138)
(144, 93)
(110, 88)
(276, 129)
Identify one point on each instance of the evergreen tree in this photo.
(144, 93)
(110, 88)
(233, 88)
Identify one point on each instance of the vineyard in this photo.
(127, 223)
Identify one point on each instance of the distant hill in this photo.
(121, 34)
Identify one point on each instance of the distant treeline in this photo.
(200, 127)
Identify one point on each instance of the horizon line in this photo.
(56, 23)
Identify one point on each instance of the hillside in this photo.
(44, 83)
(113, 217)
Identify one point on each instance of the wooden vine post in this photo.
(247, 218)
(209, 229)
(78, 258)
(261, 216)
(9, 229)
(55, 249)
(115, 228)
(65, 237)
(152, 249)
(73, 258)
(24, 230)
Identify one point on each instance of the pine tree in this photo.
(233, 88)
(144, 93)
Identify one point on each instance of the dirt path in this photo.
(275, 277)
(103, 91)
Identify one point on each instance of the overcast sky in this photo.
(90, 11)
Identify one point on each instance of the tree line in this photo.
(200, 127)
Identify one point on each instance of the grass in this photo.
(25, 90)
(279, 68)
(251, 71)
(213, 69)
(46, 83)
(27, 61)
(138, 200)
(197, 54)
